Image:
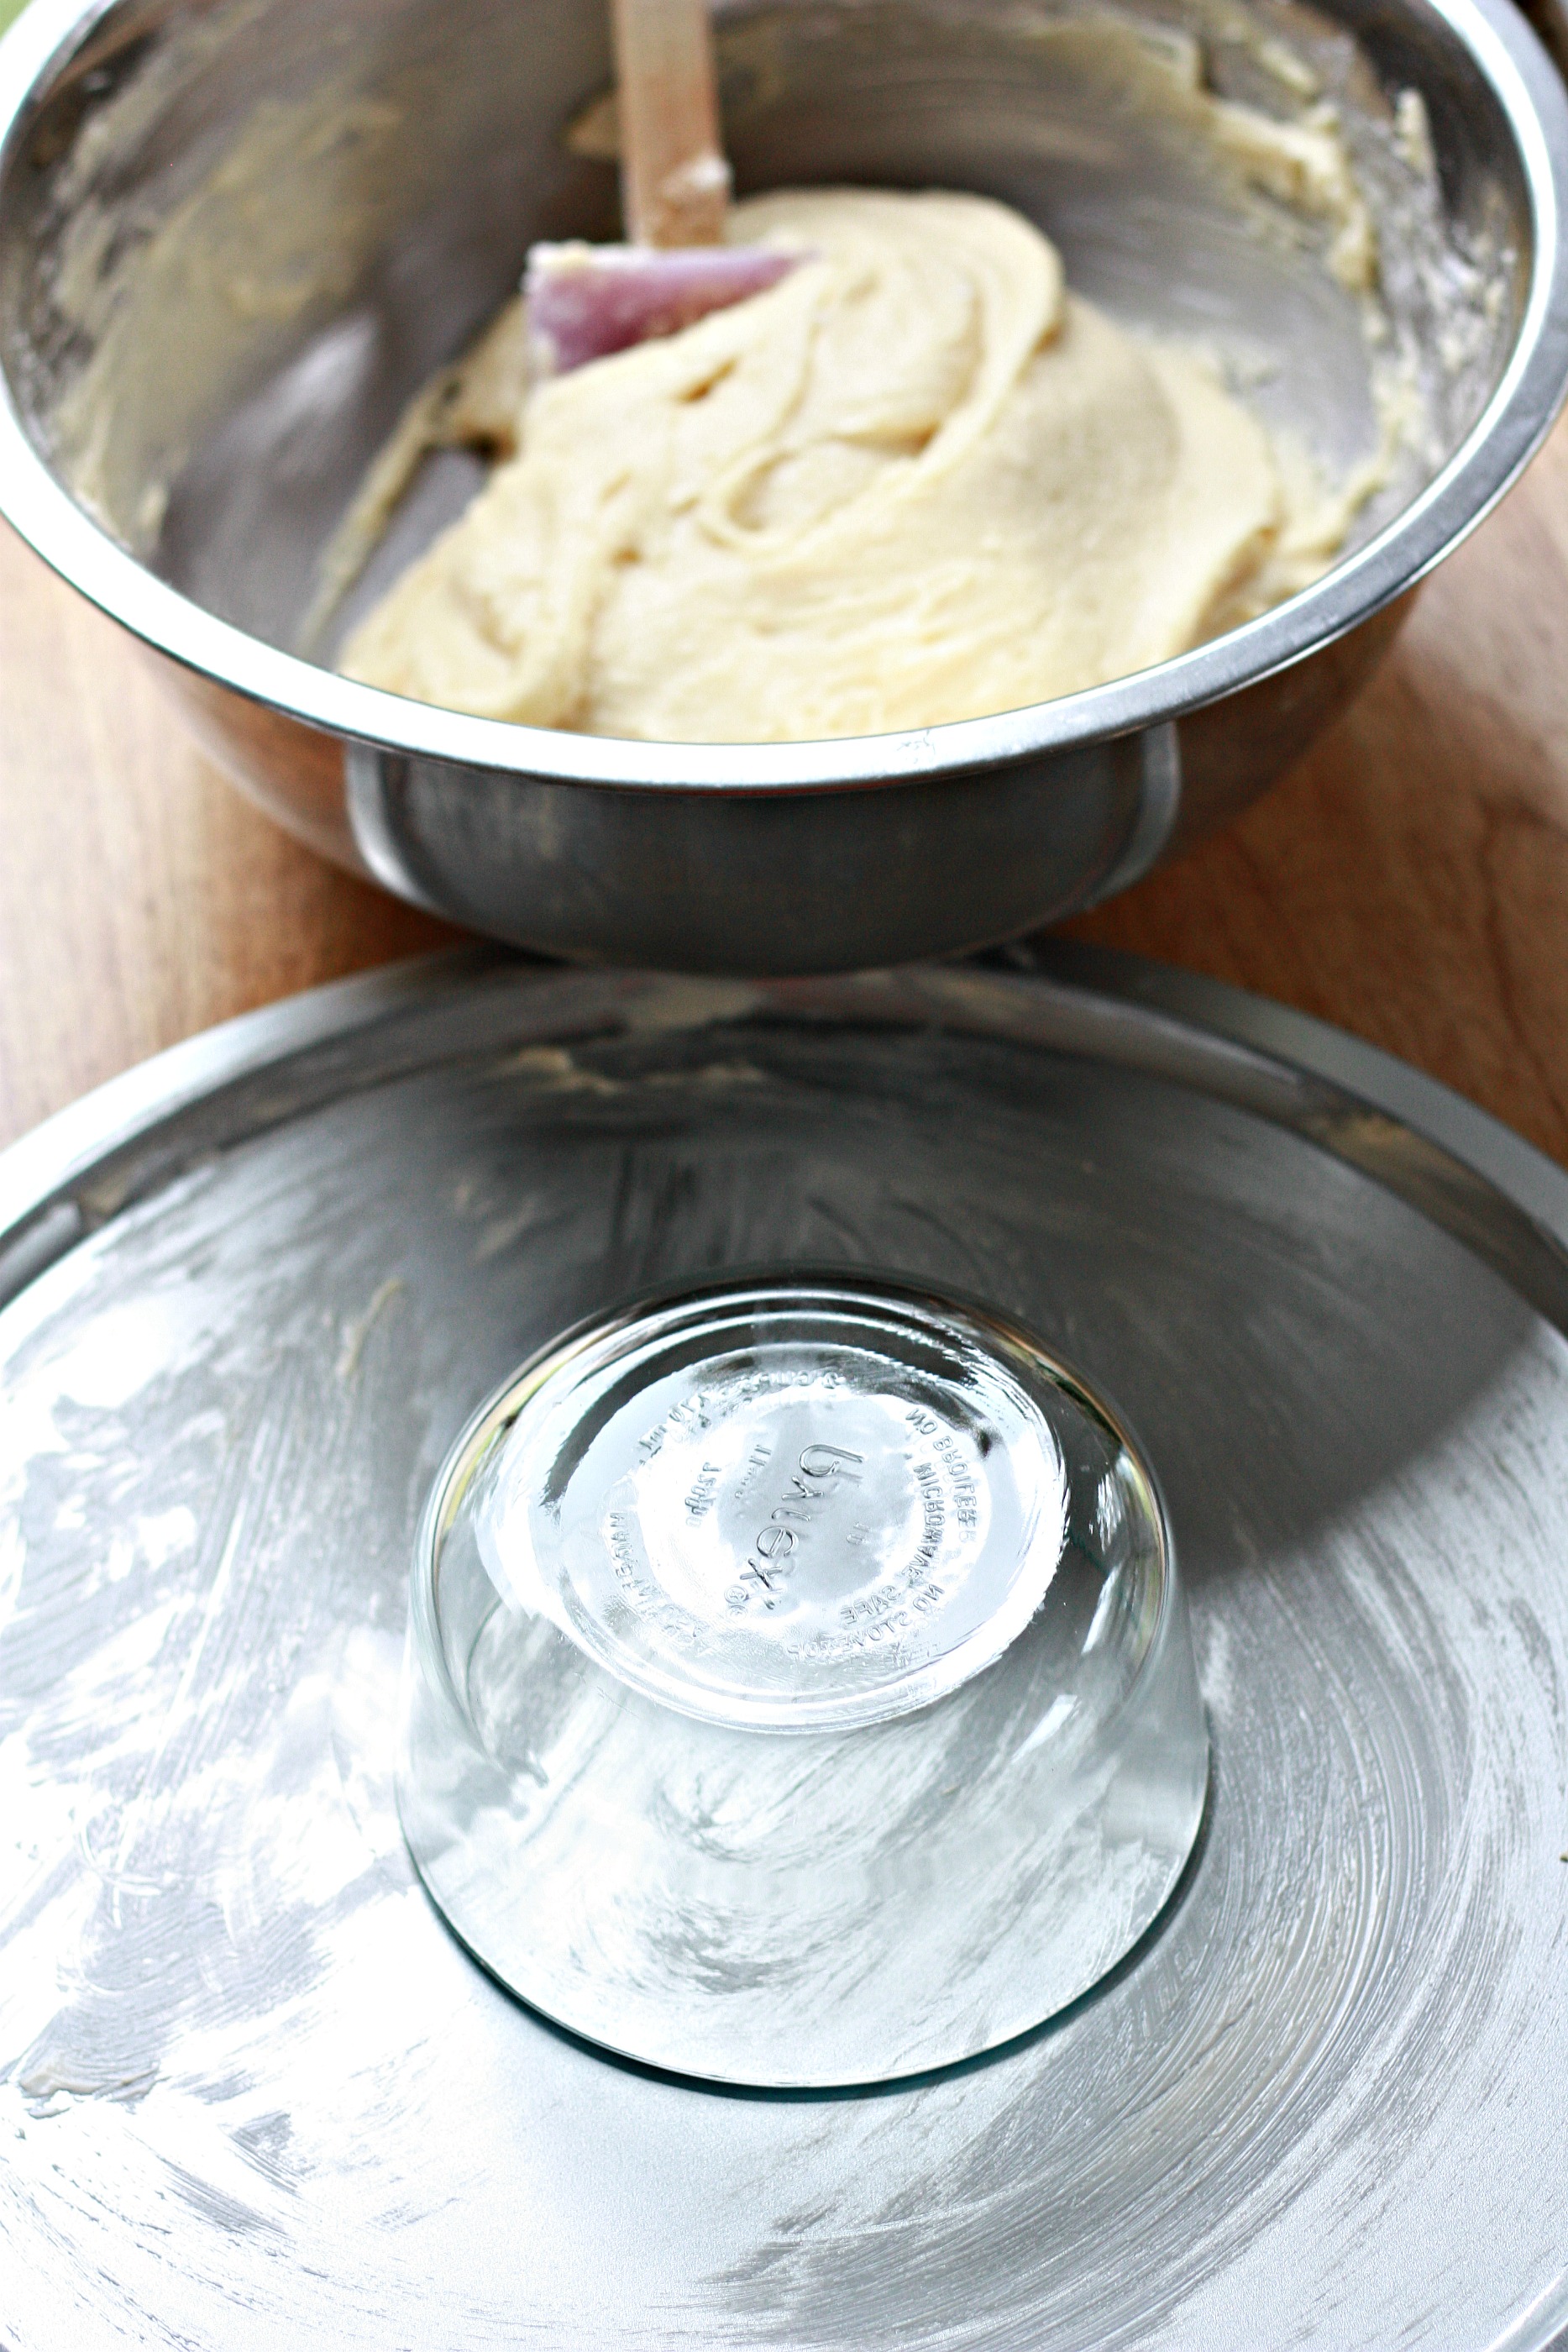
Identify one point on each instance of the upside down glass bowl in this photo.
(798, 1687)
(236, 238)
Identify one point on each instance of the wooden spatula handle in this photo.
(674, 181)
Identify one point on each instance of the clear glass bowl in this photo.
(800, 1689)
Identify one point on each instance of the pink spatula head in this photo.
(588, 300)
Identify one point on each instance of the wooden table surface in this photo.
(1409, 880)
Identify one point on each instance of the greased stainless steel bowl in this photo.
(235, 237)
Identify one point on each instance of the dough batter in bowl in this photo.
(916, 480)
(236, 241)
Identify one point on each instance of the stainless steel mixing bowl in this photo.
(236, 234)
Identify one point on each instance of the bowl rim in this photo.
(1515, 420)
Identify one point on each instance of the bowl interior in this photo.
(236, 239)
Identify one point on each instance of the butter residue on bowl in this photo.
(917, 480)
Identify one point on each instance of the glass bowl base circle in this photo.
(798, 1689)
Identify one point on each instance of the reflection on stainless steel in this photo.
(798, 1687)
(249, 231)
(238, 2052)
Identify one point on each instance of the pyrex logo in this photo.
(820, 1470)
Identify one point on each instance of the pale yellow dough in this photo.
(917, 480)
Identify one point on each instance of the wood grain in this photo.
(1409, 880)
(140, 898)
(675, 181)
